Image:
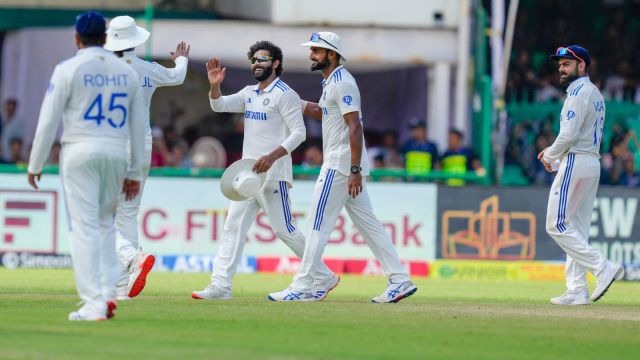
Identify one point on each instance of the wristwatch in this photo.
(355, 169)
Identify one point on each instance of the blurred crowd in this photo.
(611, 34)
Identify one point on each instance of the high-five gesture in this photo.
(215, 73)
(182, 49)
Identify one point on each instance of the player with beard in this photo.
(341, 181)
(273, 128)
(573, 192)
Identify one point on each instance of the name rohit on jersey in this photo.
(104, 80)
(255, 115)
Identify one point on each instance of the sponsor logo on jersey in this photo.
(265, 102)
(571, 114)
(347, 99)
(255, 115)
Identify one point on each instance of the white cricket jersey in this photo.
(99, 100)
(272, 118)
(581, 122)
(340, 95)
(154, 75)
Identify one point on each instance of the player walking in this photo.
(573, 191)
(100, 101)
(273, 127)
(340, 183)
(122, 37)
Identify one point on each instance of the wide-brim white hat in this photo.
(326, 40)
(123, 33)
(239, 182)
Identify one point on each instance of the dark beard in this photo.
(569, 79)
(266, 72)
(320, 65)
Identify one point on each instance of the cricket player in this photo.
(273, 128)
(570, 206)
(340, 183)
(123, 36)
(100, 102)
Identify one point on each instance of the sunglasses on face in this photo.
(563, 51)
(260, 59)
(315, 37)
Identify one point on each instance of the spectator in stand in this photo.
(178, 155)
(15, 151)
(458, 159)
(613, 161)
(159, 152)
(420, 155)
(54, 156)
(312, 156)
(629, 176)
(12, 128)
(233, 142)
(391, 150)
(546, 91)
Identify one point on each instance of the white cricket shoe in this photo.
(211, 292)
(607, 276)
(87, 313)
(290, 294)
(122, 294)
(579, 297)
(139, 269)
(321, 290)
(396, 292)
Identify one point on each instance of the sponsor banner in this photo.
(632, 272)
(199, 264)
(290, 265)
(493, 223)
(26, 260)
(190, 219)
(496, 270)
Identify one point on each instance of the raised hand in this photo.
(182, 49)
(215, 72)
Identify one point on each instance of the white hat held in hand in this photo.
(239, 182)
(123, 33)
(326, 40)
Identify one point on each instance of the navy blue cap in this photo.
(91, 23)
(417, 122)
(575, 52)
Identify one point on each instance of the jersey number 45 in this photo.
(117, 111)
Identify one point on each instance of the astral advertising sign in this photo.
(494, 223)
(181, 216)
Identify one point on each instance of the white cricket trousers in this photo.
(569, 212)
(92, 178)
(274, 200)
(330, 195)
(127, 245)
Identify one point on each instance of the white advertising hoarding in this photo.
(186, 216)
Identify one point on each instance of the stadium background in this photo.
(442, 62)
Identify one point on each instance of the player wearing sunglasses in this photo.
(273, 128)
(573, 192)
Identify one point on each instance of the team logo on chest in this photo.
(266, 102)
(347, 99)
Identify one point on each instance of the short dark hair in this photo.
(93, 40)
(274, 51)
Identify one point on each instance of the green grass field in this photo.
(444, 320)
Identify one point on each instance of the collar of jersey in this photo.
(577, 82)
(324, 82)
(91, 49)
(268, 88)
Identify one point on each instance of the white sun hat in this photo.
(239, 182)
(123, 33)
(326, 40)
